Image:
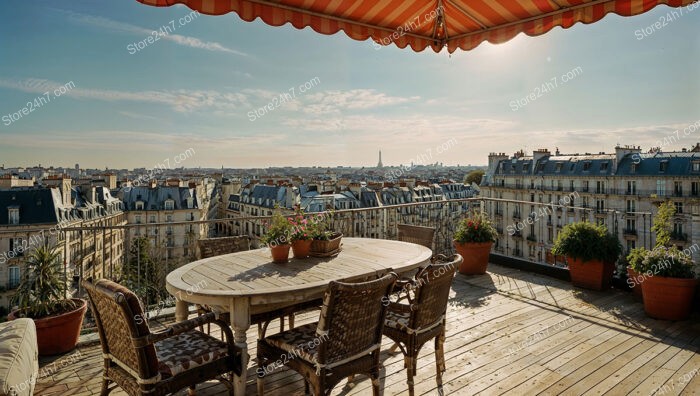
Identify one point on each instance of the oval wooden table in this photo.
(245, 283)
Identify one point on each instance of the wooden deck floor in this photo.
(509, 332)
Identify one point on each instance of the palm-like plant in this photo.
(40, 292)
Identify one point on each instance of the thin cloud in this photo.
(121, 27)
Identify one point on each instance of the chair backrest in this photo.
(119, 318)
(433, 291)
(352, 318)
(210, 247)
(416, 234)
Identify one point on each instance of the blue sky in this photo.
(196, 88)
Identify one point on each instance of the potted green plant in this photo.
(634, 260)
(473, 239)
(301, 234)
(668, 280)
(591, 253)
(278, 236)
(326, 242)
(40, 297)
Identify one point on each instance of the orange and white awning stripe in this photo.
(425, 23)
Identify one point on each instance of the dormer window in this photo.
(663, 165)
(603, 166)
(169, 204)
(558, 167)
(139, 205)
(13, 216)
(633, 168)
(696, 166)
(587, 165)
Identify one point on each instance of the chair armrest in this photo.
(398, 307)
(175, 329)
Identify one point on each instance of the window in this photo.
(137, 219)
(631, 225)
(526, 167)
(631, 206)
(631, 244)
(139, 205)
(13, 216)
(603, 166)
(540, 167)
(695, 189)
(633, 168)
(661, 187)
(587, 165)
(631, 187)
(585, 185)
(13, 280)
(679, 207)
(169, 218)
(696, 166)
(571, 185)
(600, 187)
(678, 228)
(600, 205)
(678, 189)
(17, 246)
(169, 204)
(558, 167)
(152, 219)
(663, 165)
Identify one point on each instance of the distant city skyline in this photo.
(247, 95)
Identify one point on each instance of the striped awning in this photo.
(425, 23)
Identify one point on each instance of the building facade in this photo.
(621, 190)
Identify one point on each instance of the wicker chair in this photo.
(146, 363)
(416, 234)
(345, 341)
(422, 318)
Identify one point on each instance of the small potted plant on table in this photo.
(301, 235)
(278, 237)
(473, 239)
(326, 243)
(40, 297)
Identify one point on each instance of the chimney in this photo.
(539, 154)
(621, 152)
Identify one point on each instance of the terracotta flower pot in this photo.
(593, 274)
(301, 248)
(475, 255)
(280, 253)
(58, 334)
(668, 298)
(633, 279)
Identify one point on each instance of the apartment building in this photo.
(621, 190)
(31, 217)
(169, 214)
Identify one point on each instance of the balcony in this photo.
(482, 308)
(538, 314)
(629, 232)
(516, 216)
(679, 237)
(517, 235)
(532, 238)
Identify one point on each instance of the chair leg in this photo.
(191, 390)
(393, 348)
(375, 387)
(105, 387)
(408, 361)
(291, 321)
(438, 362)
(261, 386)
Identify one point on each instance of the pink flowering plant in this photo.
(301, 229)
(476, 228)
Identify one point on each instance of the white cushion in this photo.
(19, 357)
